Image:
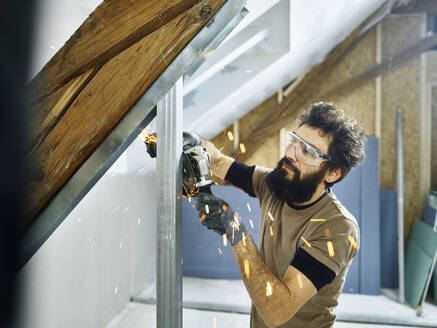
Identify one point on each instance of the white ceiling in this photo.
(276, 42)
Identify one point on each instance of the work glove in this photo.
(217, 215)
(191, 140)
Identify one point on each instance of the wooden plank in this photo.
(102, 103)
(46, 113)
(113, 27)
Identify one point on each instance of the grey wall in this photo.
(100, 256)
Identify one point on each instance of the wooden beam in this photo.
(101, 103)
(304, 89)
(383, 68)
(114, 26)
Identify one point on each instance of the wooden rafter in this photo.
(75, 119)
(384, 67)
(113, 27)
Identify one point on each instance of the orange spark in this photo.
(246, 268)
(299, 281)
(202, 217)
(224, 207)
(305, 241)
(269, 289)
(209, 53)
(248, 207)
(353, 242)
(330, 248)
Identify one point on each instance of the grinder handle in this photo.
(206, 189)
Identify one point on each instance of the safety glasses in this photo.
(305, 153)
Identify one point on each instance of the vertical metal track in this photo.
(169, 225)
(400, 202)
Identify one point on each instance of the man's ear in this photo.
(333, 175)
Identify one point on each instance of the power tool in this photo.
(196, 167)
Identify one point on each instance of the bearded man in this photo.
(295, 277)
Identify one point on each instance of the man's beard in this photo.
(296, 190)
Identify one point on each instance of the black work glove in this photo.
(217, 215)
(191, 140)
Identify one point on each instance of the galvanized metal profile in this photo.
(169, 218)
(400, 206)
(128, 128)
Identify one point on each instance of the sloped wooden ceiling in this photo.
(96, 78)
(305, 89)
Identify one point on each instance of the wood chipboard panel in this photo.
(431, 66)
(103, 101)
(401, 88)
(358, 103)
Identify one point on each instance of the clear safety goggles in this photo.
(305, 153)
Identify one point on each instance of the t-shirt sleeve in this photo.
(259, 181)
(334, 243)
(240, 176)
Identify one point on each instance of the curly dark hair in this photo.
(347, 147)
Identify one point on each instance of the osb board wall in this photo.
(401, 88)
(359, 103)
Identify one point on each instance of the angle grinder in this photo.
(196, 168)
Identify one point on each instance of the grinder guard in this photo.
(196, 167)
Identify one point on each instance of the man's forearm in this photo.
(268, 293)
(220, 163)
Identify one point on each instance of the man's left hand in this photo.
(217, 215)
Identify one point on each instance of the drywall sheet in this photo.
(418, 260)
(389, 245)
(359, 193)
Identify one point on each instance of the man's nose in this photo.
(291, 154)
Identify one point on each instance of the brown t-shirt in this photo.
(325, 230)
